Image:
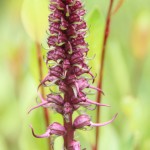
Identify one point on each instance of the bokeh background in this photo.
(23, 25)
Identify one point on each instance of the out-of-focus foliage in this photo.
(23, 23)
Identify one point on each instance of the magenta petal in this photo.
(45, 135)
(77, 87)
(103, 124)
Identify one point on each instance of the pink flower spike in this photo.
(103, 124)
(45, 135)
(95, 103)
(67, 62)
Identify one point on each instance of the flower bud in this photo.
(81, 121)
(57, 129)
(85, 120)
(75, 145)
(67, 108)
(57, 99)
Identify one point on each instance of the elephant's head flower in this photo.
(68, 51)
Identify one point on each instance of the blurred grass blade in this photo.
(141, 36)
(119, 4)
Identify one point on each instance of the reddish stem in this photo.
(46, 115)
(69, 137)
(106, 34)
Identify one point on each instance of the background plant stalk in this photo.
(40, 66)
(102, 60)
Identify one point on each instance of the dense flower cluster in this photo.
(67, 52)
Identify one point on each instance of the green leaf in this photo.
(96, 24)
(118, 67)
(35, 18)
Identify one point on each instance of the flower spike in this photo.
(66, 61)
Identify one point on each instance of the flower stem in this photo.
(45, 111)
(69, 137)
(99, 96)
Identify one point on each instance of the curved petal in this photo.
(103, 124)
(42, 82)
(75, 91)
(95, 88)
(93, 77)
(95, 103)
(37, 106)
(77, 87)
(45, 135)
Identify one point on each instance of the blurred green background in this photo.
(23, 24)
